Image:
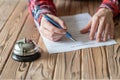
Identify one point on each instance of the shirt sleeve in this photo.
(114, 5)
(39, 7)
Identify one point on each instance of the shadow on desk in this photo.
(117, 28)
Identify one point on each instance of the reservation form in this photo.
(75, 23)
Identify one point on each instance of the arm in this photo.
(38, 7)
(114, 5)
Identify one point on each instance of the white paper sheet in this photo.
(75, 23)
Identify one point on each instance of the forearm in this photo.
(39, 7)
(114, 5)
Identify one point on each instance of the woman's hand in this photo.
(50, 31)
(101, 25)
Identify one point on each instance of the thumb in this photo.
(87, 28)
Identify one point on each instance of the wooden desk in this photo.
(92, 63)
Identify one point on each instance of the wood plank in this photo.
(94, 64)
(93, 6)
(113, 58)
(88, 71)
(43, 68)
(19, 69)
(68, 65)
(84, 6)
(6, 9)
(11, 31)
(75, 7)
(90, 8)
(60, 7)
(117, 29)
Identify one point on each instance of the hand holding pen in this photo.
(51, 31)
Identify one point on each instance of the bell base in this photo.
(26, 58)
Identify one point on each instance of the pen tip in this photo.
(73, 39)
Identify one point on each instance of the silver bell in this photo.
(25, 50)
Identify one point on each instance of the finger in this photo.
(100, 29)
(51, 35)
(87, 28)
(45, 34)
(105, 37)
(52, 28)
(59, 21)
(112, 31)
(94, 27)
(57, 37)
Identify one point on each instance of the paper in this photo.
(75, 24)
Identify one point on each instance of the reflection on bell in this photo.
(25, 50)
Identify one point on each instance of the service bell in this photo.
(25, 50)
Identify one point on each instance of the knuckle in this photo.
(96, 17)
(102, 18)
(52, 34)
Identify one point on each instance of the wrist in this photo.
(107, 11)
(111, 6)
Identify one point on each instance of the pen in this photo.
(68, 35)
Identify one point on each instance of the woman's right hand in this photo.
(50, 31)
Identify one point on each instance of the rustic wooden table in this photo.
(92, 63)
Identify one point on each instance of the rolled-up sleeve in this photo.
(114, 5)
(39, 7)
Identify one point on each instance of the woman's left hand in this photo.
(101, 25)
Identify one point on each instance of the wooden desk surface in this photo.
(92, 63)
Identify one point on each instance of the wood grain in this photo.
(113, 58)
(68, 66)
(92, 63)
(9, 35)
(117, 28)
(20, 69)
(43, 68)
(6, 9)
